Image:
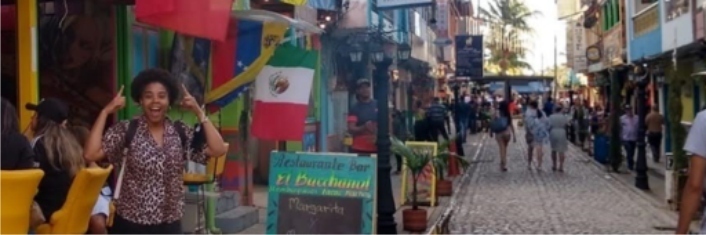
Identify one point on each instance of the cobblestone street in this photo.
(583, 199)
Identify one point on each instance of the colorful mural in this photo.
(76, 58)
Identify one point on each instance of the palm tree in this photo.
(509, 22)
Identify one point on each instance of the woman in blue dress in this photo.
(537, 126)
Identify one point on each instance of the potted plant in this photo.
(413, 219)
(444, 186)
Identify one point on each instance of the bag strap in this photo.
(179, 127)
(127, 141)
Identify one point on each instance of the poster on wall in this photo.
(321, 193)
(190, 63)
(77, 57)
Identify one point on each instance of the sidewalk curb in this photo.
(463, 180)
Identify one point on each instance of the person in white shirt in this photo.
(691, 195)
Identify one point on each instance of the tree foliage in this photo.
(508, 20)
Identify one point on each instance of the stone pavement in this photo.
(580, 200)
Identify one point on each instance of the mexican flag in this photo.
(282, 91)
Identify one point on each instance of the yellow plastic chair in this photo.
(75, 214)
(17, 190)
(214, 170)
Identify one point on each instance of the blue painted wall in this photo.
(648, 44)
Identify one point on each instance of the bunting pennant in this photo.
(237, 60)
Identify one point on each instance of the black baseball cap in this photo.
(52, 108)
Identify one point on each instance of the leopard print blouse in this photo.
(152, 189)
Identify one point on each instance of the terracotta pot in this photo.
(414, 220)
(444, 188)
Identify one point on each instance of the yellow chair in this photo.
(18, 188)
(74, 215)
(214, 170)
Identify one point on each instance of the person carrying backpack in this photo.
(435, 115)
(151, 152)
(501, 126)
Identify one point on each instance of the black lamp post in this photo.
(386, 202)
(640, 76)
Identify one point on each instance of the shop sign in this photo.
(394, 4)
(593, 53)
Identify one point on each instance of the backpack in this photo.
(498, 124)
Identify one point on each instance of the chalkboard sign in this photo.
(319, 193)
(310, 214)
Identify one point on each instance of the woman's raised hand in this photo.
(117, 103)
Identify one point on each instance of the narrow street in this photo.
(583, 199)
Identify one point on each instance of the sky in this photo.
(546, 26)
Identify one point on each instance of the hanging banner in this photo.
(469, 56)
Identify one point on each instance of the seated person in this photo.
(57, 153)
(101, 210)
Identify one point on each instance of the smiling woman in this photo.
(151, 148)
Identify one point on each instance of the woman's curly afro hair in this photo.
(155, 75)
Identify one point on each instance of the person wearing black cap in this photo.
(57, 152)
(362, 120)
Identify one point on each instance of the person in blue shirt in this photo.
(463, 114)
(548, 106)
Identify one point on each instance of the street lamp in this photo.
(356, 54)
(640, 76)
(403, 52)
(381, 77)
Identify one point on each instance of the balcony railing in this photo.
(646, 21)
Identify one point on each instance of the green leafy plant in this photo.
(444, 156)
(415, 161)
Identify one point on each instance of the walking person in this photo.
(581, 123)
(501, 126)
(436, 116)
(694, 187)
(422, 132)
(628, 135)
(473, 116)
(537, 135)
(654, 122)
(557, 138)
(152, 151)
(463, 114)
